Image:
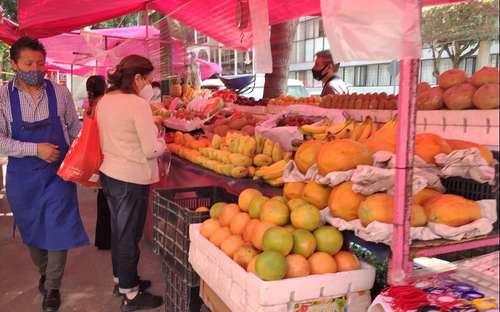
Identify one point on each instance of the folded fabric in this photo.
(468, 164)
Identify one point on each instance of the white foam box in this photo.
(245, 292)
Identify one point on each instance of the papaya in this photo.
(452, 210)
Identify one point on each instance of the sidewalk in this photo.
(87, 284)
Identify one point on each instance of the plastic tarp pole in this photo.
(401, 266)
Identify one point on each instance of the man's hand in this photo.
(48, 152)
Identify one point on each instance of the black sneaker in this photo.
(143, 285)
(51, 301)
(41, 285)
(143, 301)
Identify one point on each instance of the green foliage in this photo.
(457, 29)
(9, 9)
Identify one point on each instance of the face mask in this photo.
(318, 74)
(147, 92)
(157, 92)
(31, 78)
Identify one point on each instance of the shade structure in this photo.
(9, 31)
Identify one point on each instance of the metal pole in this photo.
(401, 266)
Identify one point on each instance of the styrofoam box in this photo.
(243, 291)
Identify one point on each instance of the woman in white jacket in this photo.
(131, 145)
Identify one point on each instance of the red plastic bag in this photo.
(83, 160)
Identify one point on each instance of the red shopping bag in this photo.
(83, 160)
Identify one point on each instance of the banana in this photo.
(277, 153)
(358, 130)
(311, 129)
(239, 172)
(272, 172)
(337, 127)
(261, 160)
(250, 147)
(251, 171)
(367, 129)
(268, 148)
(259, 143)
(287, 156)
(320, 136)
(216, 141)
(276, 182)
(345, 132)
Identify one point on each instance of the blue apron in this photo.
(45, 206)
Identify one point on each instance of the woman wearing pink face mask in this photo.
(131, 145)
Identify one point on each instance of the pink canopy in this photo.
(9, 31)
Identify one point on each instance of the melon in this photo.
(231, 245)
(219, 236)
(227, 213)
(342, 155)
(344, 202)
(486, 97)
(249, 228)
(293, 190)
(322, 263)
(239, 223)
(316, 194)
(452, 210)
(459, 96)
(298, 266)
(484, 76)
(246, 198)
(306, 154)
(208, 227)
(258, 233)
(460, 145)
(346, 261)
(428, 145)
(451, 78)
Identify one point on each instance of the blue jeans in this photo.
(128, 205)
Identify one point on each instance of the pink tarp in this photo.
(9, 31)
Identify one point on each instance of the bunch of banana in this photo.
(317, 132)
(272, 174)
(350, 129)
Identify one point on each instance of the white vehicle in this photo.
(295, 87)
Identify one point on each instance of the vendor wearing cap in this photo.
(38, 122)
(325, 70)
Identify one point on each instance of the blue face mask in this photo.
(31, 78)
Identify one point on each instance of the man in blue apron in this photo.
(38, 122)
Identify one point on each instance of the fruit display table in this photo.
(184, 174)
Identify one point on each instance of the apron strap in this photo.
(15, 105)
(52, 99)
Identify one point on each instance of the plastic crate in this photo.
(179, 296)
(173, 212)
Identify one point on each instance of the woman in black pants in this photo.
(96, 87)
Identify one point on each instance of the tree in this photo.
(281, 43)
(458, 29)
(9, 11)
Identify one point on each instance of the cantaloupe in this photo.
(428, 145)
(344, 202)
(342, 155)
(452, 210)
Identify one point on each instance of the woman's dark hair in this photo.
(26, 43)
(123, 77)
(96, 87)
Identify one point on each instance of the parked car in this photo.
(256, 89)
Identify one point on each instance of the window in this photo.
(214, 55)
(309, 83)
(202, 54)
(201, 38)
(244, 62)
(372, 75)
(445, 64)
(327, 44)
(349, 75)
(469, 65)
(426, 71)
(384, 75)
(360, 76)
(494, 60)
(318, 45)
(299, 35)
(309, 55)
(227, 62)
(300, 52)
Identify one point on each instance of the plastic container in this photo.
(179, 296)
(173, 212)
(245, 292)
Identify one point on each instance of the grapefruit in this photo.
(227, 213)
(346, 261)
(231, 244)
(329, 239)
(316, 194)
(239, 223)
(293, 190)
(219, 236)
(306, 217)
(271, 266)
(258, 233)
(208, 227)
(304, 243)
(251, 264)
(322, 263)
(296, 202)
(256, 206)
(298, 266)
(275, 211)
(246, 198)
(248, 232)
(215, 210)
(244, 255)
(278, 239)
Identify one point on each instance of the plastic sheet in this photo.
(261, 36)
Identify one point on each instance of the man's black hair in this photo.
(155, 84)
(26, 43)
